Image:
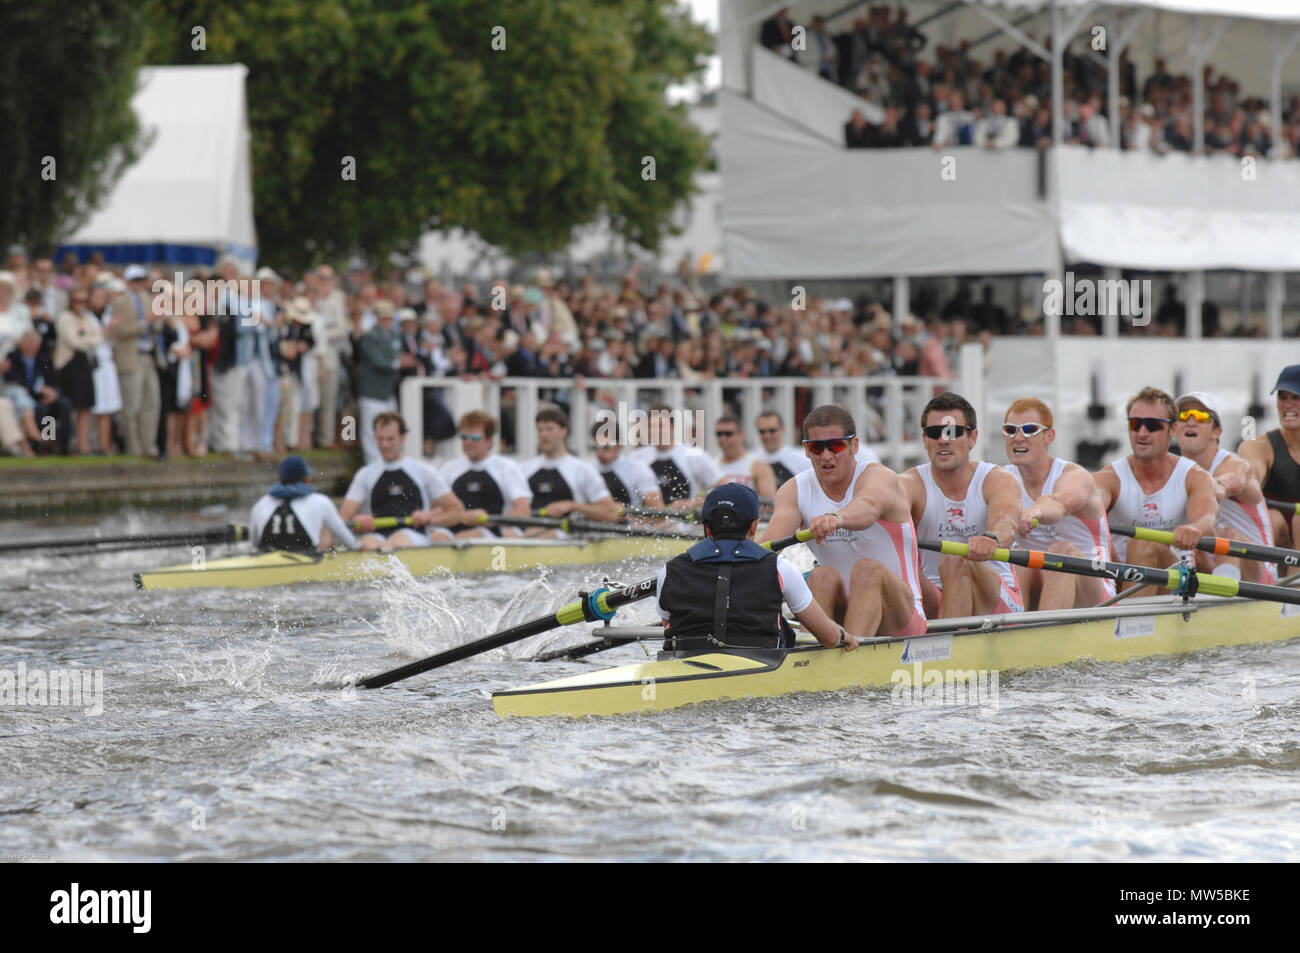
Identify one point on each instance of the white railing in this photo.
(887, 409)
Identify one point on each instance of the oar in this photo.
(1178, 580)
(1217, 545)
(643, 512)
(1291, 509)
(571, 525)
(231, 533)
(589, 607)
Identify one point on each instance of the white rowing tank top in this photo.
(1251, 521)
(740, 470)
(1089, 537)
(892, 544)
(1165, 509)
(957, 520)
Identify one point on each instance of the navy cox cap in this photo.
(735, 498)
(1288, 380)
(293, 469)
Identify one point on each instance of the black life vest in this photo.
(284, 530)
(617, 488)
(548, 485)
(782, 472)
(673, 483)
(395, 494)
(704, 610)
(1283, 481)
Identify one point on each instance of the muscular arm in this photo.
(1107, 484)
(764, 480)
(605, 510)
(348, 511)
(1236, 478)
(826, 629)
(1002, 494)
(1258, 452)
(1202, 510)
(1074, 490)
(785, 513)
(447, 510)
(915, 494)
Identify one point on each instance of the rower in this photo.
(561, 483)
(684, 473)
(738, 466)
(397, 486)
(1061, 511)
(784, 459)
(1154, 488)
(868, 574)
(629, 481)
(293, 516)
(1243, 514)
(486, 483)
(725, 592)
(978, 503)
(1276, 456)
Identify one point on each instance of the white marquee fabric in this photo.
(797, 206)
(190, 194)
(1178, 212)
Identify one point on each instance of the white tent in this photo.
(189, 198)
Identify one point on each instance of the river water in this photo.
(226, 734)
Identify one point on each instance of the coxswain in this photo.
(868, 568)
(294, 517)
(486, 483)
(629, 481)
(561, 483)
(1061, 511)
(397, 486)
(1154, 488)
(968, 501)
(1275, 455)
(684, 473)
(725, 592)
(784, 459)
(1243, 515)
(738, 465)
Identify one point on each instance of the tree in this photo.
(519, 120)
(67, 75)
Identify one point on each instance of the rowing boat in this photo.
(954, 652)
(458, 556)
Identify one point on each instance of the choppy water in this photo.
(224, 735)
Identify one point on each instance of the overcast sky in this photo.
(705, 11)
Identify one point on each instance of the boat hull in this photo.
(905, 664)
(461, 556)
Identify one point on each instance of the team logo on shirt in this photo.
(473, 487)
(395, 489)
(1150, 512)
(543, 486)
(954, 523)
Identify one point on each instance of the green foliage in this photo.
(67, 75)
(519, 145)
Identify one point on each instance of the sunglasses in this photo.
(1152, 424)
(1200, 416)
(946, 431)
(834, 445)
(1027, 429)
(765, 433)
(472, 437)
(724, 433)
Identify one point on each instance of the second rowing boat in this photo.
(458, 556)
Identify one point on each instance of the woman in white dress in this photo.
(108, 391)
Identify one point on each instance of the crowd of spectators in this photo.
(954, 98)
(97, 359)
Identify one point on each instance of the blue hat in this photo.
(1289, 379)
(734, 498)
(294, 469)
